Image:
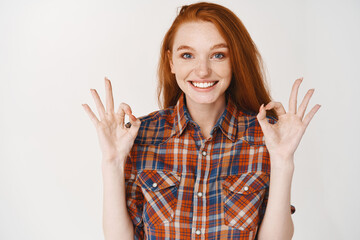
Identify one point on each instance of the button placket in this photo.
(199, 217)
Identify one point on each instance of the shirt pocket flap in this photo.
(155, 180)
(246, 183)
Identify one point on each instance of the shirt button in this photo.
(198, 232)
(200, 194)
(204, 153)
(246, 188)
(154, 185)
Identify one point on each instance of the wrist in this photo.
(113, 164)
(282, 163)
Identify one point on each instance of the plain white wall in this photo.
(53, 52)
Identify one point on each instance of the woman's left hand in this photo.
(283, 137)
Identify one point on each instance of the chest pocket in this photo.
(160, 189)
(243, 195)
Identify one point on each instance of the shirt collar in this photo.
(227, 121)
(182, 116)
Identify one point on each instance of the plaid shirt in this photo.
(180, 185)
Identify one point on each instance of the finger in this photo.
(293, 96)
(98, 103)
(132, 118)
(122, 110)
(90, 113)
(278, 107)
(261, 117)
(311, 114)
(109, 96)
(304, 103)
(135, 125)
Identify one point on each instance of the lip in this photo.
(202, 89)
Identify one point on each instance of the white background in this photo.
(53, 52)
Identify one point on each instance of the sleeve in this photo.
(134, 199)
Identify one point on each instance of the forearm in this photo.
(277, 222)
(116, 220)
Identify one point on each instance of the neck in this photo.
(206, 115)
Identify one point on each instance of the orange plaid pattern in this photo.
(180, 185)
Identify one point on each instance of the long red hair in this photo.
(248, 88)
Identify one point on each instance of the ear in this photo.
(170, 61)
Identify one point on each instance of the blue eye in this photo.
(186, 55)
(219, 55)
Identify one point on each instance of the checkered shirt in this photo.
(180, 185)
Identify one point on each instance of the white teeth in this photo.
(203, 84)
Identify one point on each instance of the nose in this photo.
(203, 69)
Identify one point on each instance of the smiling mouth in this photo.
(204, 84)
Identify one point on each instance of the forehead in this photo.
(197, 34)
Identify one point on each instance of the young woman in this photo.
(210, 164)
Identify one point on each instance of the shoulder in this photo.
(155, 127)
(249, 128)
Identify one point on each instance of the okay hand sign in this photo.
(283, 137)
(116, 139)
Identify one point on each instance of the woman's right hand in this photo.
(116, 140)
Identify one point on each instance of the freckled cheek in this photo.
(182, 71)
(223, 70)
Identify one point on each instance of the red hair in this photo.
(248, 88)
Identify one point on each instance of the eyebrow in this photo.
(184, 47)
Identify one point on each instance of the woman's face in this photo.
(201, 63)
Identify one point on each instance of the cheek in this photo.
(226, 73)
(224, 70)
(181, 83)
(181, 70)
(227, 68)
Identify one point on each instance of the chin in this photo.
(204, 99)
